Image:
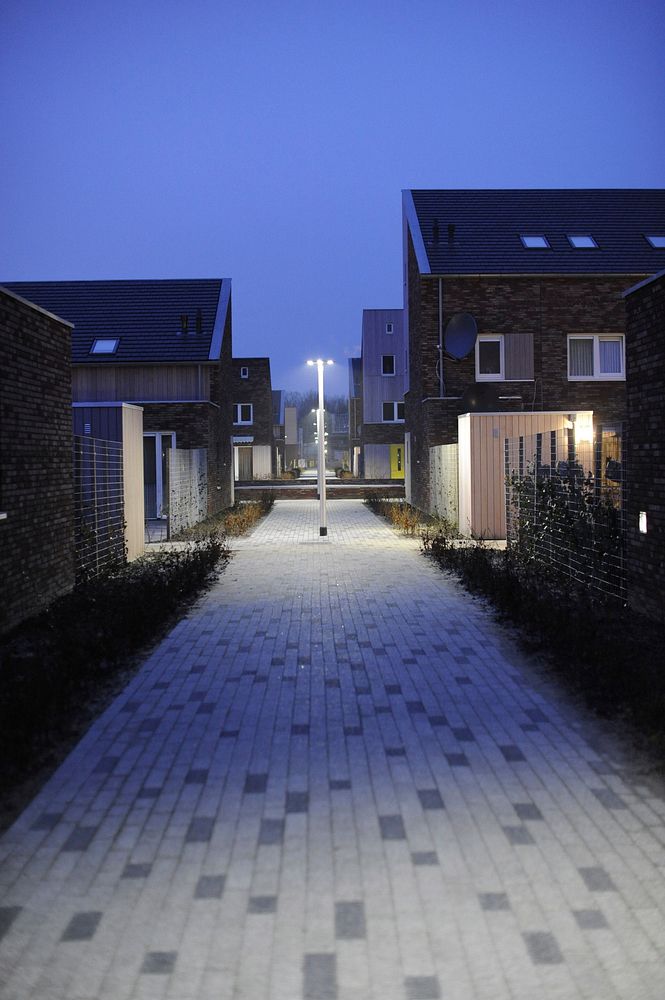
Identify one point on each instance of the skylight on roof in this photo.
(583, 242)
(535, 242)
(105, 346)
(657, 241)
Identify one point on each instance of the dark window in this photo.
(242, 413)
(400, 411)
(388, 364)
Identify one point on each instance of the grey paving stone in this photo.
(393, 688)
(139, 870)
(300, 729)
(205, 708)
(350, 920)
(320, 976)
(197, 696)
(409, 660)
(200, 830)
(440, 647)
(149, 793)
(590, 920)
(422, 988)
(542, 947)
(392, 827)
(362, 689)
(297, 802)
(512, 754)
(255, 784)
(527, 811)
(418, 651)
(160, 963)
(262, 904)
(597, 879)
(463, 735)
(339, 784)
(353, 730)
(463, 679)
(415, 707)
(609, 798)
(106, 765)
(272, 831)
(395, 752)
(332, 682)
(197, 776)
(457, 759)
(425, 858)
(535, 714)
(148, 726)
(529, 727)
(229, 734)
(518, 835)
(82, 926)
(8, 915)
(277, 661)
(438, 720)
(210, 887)
(493, 901)
(430, 798)
(80, 838)
(47, 821)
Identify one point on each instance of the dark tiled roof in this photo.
(144, 315)
(488, 225)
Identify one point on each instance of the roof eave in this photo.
(223, 305)
(412, 221)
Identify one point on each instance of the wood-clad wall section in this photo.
(141, 383)
(132, 470)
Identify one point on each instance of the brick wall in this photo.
(547, 309)
(645, 446)
(36, 537)
(257, 390)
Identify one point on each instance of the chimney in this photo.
(199, 321)
(184, 322)
(451, 233)
(435, 232)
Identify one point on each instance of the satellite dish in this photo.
(460, 335)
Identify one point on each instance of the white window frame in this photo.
(598, 376)
(244, 372)
(499, 376)
(395, 419)
(388, 374)
(389, 328)
(160, 485)
(237, 413)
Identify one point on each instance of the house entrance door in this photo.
(245, 466)
(397, 461)
(156, 446)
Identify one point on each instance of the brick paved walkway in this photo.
(336, 778)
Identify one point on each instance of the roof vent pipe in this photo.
(435, 232)
(184, 322)
(451, 233)
(199, 321)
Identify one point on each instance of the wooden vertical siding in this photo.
(518, 355)
(132, 467)
(141, 383)
(377, 461)
(482, 502)
(379, 388)
(262, 461)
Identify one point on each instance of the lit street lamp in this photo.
(323, 530)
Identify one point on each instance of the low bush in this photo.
(236, 520)
(52, 664)
(608, 652)
(408, 519)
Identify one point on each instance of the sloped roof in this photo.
(488, 225)
(145, 316)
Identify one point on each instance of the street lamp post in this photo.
(323, 529)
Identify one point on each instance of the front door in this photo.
(397, 461)
(244, 465)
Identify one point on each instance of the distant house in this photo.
(37, 562)
(376, 402)
(252, 418)
(645, 444)
(164, 345)
(514, 304)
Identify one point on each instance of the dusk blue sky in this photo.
(269, 143)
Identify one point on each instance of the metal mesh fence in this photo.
(99, 530)
(565, 506)
(188, 488)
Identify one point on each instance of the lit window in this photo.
(596, 356)
(244, 372)
(388, 364)
(583, 242)
(109, 346)
(657, 241)
(489, 358)
(535, 242)
(393, 412)
(243, 413)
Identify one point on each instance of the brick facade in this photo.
(547, 308)
(256, 389)
(36, 493)
(645, 447)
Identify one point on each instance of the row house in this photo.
(161, 345)
(515, 324)
(377, 381)
(253, 423)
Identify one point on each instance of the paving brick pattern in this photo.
(346, 819)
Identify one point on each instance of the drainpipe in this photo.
(441, 338)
